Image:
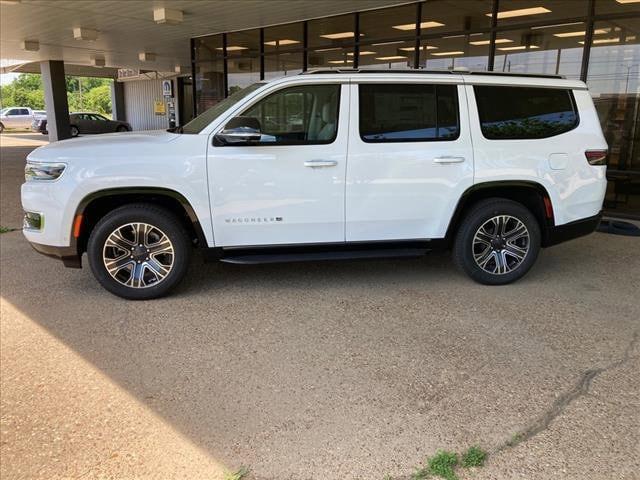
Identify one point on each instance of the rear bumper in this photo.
(569, 231)
(68, 255)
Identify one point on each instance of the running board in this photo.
(257, 258)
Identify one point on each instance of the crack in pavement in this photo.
(580, 389)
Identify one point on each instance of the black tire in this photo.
(161, 219)
(74, 131)
(465, 251)
(1, 128)
(121, 128)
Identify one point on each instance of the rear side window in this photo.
(408, 113)
(524, 112)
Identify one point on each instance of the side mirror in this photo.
(239, 131)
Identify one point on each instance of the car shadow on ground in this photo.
(372, 364)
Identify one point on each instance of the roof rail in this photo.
(461, 71)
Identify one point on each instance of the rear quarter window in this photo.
(509, 113)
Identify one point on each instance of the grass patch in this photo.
(443, 464)
(474, 457)
(6, 229)
(239, 474)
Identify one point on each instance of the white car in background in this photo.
(18, 117)
(330, 165)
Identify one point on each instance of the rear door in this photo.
(410, 158)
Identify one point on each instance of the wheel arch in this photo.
(95, 205)
(532, 195)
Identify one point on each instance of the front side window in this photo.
(300, 115)
(524, 112)
(408, 112)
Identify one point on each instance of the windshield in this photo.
(205, 118)
(4, 110)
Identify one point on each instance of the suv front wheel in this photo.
(139, 251)
(498, 242)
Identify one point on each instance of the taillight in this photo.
(596, 157)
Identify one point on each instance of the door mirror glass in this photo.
(239, 130)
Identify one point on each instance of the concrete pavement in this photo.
(320, 370)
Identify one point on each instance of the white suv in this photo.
(330, 165)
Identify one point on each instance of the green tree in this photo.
(98, 99)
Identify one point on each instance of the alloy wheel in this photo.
(501, 244)
(138, 255)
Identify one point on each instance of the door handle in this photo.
(320, 163)
(448, 159)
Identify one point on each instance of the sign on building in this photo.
(159, 107)
(167, 88)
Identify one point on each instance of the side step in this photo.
(257, 258)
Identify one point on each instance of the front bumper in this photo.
(569, 231)
(69, 255)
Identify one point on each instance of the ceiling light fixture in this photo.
(233, 48)
(338, 36)
(597, 41)
(392, 57)
(98, 61)
(555, 25)
(146, 57)
(487, 42)
(521, 12)
(167, 16)
(332, 49)
(281, 43)
(388, 43)
(30, 45)
(581, 34)
(366, 52)
(87, 34)
(627, 1)
(519, 47)
(339, 61)
(412, 26)
(442, 54)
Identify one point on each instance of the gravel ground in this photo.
(324, 371)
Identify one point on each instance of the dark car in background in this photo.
(85, 122)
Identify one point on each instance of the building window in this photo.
(283, 50)
(442, 16)
(508, 113)
(408, 113)
(548, 49)
(209, 71)
(614, 83)
(243, 59)
(331, 42)
(387, 38)
(448, 52)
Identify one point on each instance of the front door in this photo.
(410, 158)
(288, 187)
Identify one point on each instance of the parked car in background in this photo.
(17, 117)
(85, 122)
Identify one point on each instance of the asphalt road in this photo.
(321, 370)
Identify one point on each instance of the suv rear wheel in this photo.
(497, 242)
(139, 251)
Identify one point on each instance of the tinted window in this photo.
(408, 113)
(24, 111)
(298, 115)
(524, 112)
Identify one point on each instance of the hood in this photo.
(104, 145)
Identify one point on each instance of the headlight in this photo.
(43, 171)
